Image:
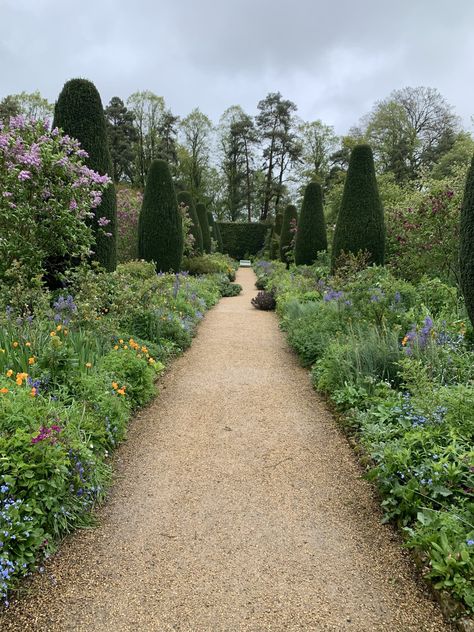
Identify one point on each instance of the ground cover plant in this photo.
(396, 359)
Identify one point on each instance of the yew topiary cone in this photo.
(311, 236)
(360, 224)
(185, 197)
(466, 252)
(160, 232)
(79, 113)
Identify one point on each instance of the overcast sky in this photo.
(334, 59)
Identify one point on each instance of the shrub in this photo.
(160, 235)
(466, 255)
(210, 264)
(290, 218)
(264, 300)
(206, 235)
(129, 202)
(79, 113)
(311, 236)
(185, 198)
(241, 240)
(360, 222)
(45, 202)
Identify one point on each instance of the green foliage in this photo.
(79, 113)
(311, 235)
(290, 219)
(466, 255)
(185, 198)
(242, 240)
(160, 236)
(216, 263)
(214, 231)
(360, 223)
(203, 221)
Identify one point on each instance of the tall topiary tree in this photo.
(185, 197)
(206, 235)
(360, 224)
(275, 237)
(311, 236)
(466, 253)
(290, 216)
(160, 233)
(213, 231)
(79, 113)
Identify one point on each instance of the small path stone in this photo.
(238, 506)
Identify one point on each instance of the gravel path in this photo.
(238, 506)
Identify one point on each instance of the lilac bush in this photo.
(47, 197)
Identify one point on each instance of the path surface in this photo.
(238, 507)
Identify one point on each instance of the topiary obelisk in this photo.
(466, 251)
(160, 230)
(185, 197)
(360, 224)
(311, 236)
(79, 113)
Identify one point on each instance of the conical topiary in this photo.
(79, 113)
(206, 235)
(213, 231)
(290, 217)
(185, 197)
(360, 223)
(160, 231)
(466, 252)
(275, 237)
(311, 236)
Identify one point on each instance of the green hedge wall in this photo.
(241, 239)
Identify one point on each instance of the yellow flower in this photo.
(115, 385)
(121, 341)
(27, 344)
(88, 365)
(3, 390)
(116, 347)
(121, 391)
(31, 360)
(144, 350)
(151, 361)
(125, 347)
(33, 392)
(15, 344)
(52, 334)
(59, 327)
(65, 332)
(405, 340)
(9, 373)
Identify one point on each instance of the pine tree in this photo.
(160, 233)
(206, 235)
(360, 223)
(311, 236)
(466, 253)
(79, 113)
(185, 197)
(213, 228)
(290, 217)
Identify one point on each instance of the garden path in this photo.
(238, 506)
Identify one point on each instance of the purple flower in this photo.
(24, 175)
(103, 221)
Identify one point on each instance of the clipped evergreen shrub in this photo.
(311, 236)
(360, 223)
(213, 228)
(242, 239)
(160, 236)
(185, 197)
(289, 216)
(206, 235)
(466, 253)
(79, 113)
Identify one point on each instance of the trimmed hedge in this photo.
(242, 239)
(466, 255)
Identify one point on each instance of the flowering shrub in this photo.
(129, 202)
(46, 198)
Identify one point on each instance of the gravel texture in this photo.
(238, 506)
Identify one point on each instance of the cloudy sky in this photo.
(334, 59)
